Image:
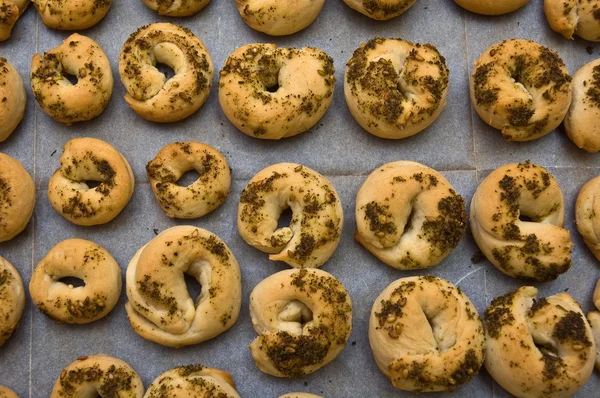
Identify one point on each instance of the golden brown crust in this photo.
(10, 10)
(594, 320)
(176, 8)
(395, 88)
(491, 7)
(408, 215)
(202, 196)
(277, 18)
(273, 93)
(583, 119)
(538, 249)
(12, 98)
(149, 94)
(569, 17)
(12, 301)
(6, 392)
(587, 215)
(71, 14)
(17, 197)
(160, 308)
(303, 318)
(300, 395)
(380, 9)
(192, 381)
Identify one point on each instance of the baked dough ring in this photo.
(491, 7)
(587, 215)
(12, 300)
(17, 197)
(71, 14)
(202, 196)
(380, 9)
(10, 11)
(300, 395)
(192, 381)
(85, 260)
(176, 8)
(98, 375)
(539, 249)
(12, 98)
(273, 93)
(409, 216)
(6, 392)
(521, 88)
(84, 160)
(395, 88)
(149, 93)
(160, 308)
(569, 17)
(279, 19)
(538, 348)
(317, 221)
(426, 335)
(64, 102)
(583, 119)
(303, 319)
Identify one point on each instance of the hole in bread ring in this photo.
(278, 18)
(426, 335)
(12, 98)
(12, 297)
(408, 215)
(380, 9)
(176, 8)
(539, 249)
(317, 217)
(17, 197)
(194, 381)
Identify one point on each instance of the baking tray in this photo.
(459, 144)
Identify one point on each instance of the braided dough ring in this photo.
(409, 216)
(491, 7)
(98, 375)
(303, 319)
(317, 221)
(521, 88)
(17, 197)
(380, 9)
(176, 8)
(202, 196)
(278, 18)
(395, 88)
(64, 102)
(538, 249)
(160, 308)
(300, 395)
(12, 300)
(540, 347)
(84, 160)
(71, 14)
(426, 335)
(273, 93)
(12, 98)
(569, 17)
(10, 11)
(583, 119)
(149, 93)
(192, 381)
(80, 259)
(587, 215)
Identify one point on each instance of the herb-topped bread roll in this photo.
(12, 300)
(192, 381)
(12, 99)
(279, 18)
(574, 17)
(594, 320)
(17, 197)
(10, 11)
(72, 14)
(380, 9)
(583, 119)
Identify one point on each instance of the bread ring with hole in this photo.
(300, 395)
(521, 88)
(192, 381)
(538, 347)
(536, 247)
(574, 17)
(17, 197)
(85, 260)
(279, 19)
(594, 320)
(380, 9)
(587, 215)
(10, 11)
(202, 196)
(491, 7)
(12, 300)
(149, 93)
(63, 101)
(426, 335)
(273, 93)
(6, 392)
(12, 98)
(84, 160)
(582, 122)
(71, 14)
(395, 88)
(98, 375)
(409, 216)
(160, 308)
(317, 216)
(303, 319)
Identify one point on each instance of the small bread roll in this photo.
(192, 381)
(279, 18)
(12, 99)
(491, 7)
(380, 9)
(10, 11)
(12, 301)
(72, 14)
(587, 215)
(538, 347)
(583, 119)
(594, 320)
(6, 392)
(17, 197)
(176, 8)
(521, 88)
(569, 17)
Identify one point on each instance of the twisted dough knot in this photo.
(587, 215)
(12, 300)
(380, 9)
(278, 18)
(408, 215)
(569, 17)
(176, 8)
(98, 375)
(426, 335)
(17, 197)
(491, 7)
(149, 93)
(521, 88)
(12, 98)
(594, 320)
(160, 308)
(72, 14)
(316, 226)
(192, 381)
(537, 249)
(538, 347)
(582, 122)
(10, 11)
(303, 318)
